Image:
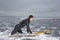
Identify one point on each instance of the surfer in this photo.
(23, 23)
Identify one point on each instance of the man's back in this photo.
(24, 22)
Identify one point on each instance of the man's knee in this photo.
(20, 31)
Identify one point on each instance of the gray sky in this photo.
(38, 8)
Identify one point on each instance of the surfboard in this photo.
(27, 35)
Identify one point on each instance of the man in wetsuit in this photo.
(23, 23)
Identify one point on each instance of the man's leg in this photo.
(14, 31)
(20, 31)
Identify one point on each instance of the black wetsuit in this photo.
(23, 23)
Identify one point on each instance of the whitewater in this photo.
(5, 36)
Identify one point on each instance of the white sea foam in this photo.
(5, 36)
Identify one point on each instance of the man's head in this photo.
(31, 17)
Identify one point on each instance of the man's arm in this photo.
(28, 28)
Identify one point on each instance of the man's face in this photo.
(31, 19)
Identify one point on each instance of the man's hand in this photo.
(29, 32)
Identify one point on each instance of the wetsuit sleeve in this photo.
(28, 28)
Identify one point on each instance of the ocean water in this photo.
(7, 24)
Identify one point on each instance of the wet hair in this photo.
(31, 16)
